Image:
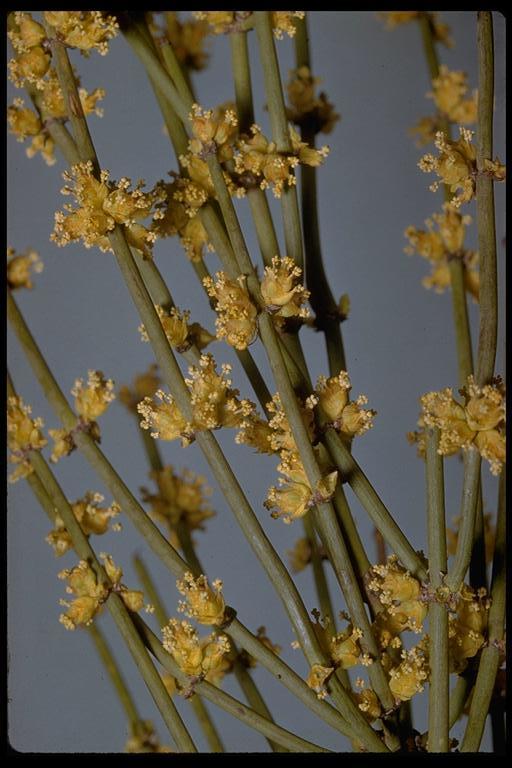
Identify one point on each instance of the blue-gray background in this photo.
(399, 341)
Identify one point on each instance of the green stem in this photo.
(280, 132)
(488, 335)
(224, 700)
(242, 80)
(438, 707)
(470, 490)
(327, 317)
(254, 697)
(380, 516)
(200, 710)
(116, 607)
(492, 653)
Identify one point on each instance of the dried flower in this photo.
(441, 245)
(93, 400)
(237, 315)
(202, 603)
(347, 417)
(23, 435)
(20, 266)
(480, 421)
(85, 30)
(312, 113)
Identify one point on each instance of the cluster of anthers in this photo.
(20, 267)
(225, 22)
(342, 649)
(347, 417)
(313, 113)
(187, 37)
(442, 242)
(101, 206)
(440, 31)
(23, 435)
(91, 592)
(479, 421)
(236, 314)
(449, 93)
(259, 160)
(143, 385)
(214, 405)
(31, 67)
(93, 519)
(179, 499)
(180, 217)
(456, 166)
(180, 333)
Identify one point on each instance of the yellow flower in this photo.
(313, 113)
(281, 438)
(175, 325)
(144, 739)
(283, 22)
(93, 400)
(102, 205)
(449, 89)
(19, 268)
(196, 658)
(143, 385)
(219, 21)
(23, 435)
(64, 444)
(282, 289)
(368, 703)
(214, 403)
(480, 421)
(318, 676)
(205, 605)
(30, 67)
(345, 650)
(133, 599)
(164, 418)
(187, 39)
(92, 519)
(24, 123)
(257, 433)
(180, 498)
(349, 418)
(441, 32)
(53, 102)
(213, 130)
(237, 315)
(455, 166)
(85, 30)
(467, 626)
(90, 595)
(408, 678)
(179, 218)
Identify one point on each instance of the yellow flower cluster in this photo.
(32, 59)
(408, 678)
(449, 89)
(455, 166)
(179, 499)
(93, 400)
(367, 701)
(20, 266)
(478, 422)
(143, 385)
(180, 333)
(467, 626)
(214, 404)
(199, 658)
(85, 30)
(202, 603)
(213, 131)
(180, 217)
(101, 206)
(24, 123)
(90, 594)
(441, 32)
(92, 518)
(52, 98)
(187, 39)
(347, 417)
(342, 649)
(313, 113)
(400, 594)
(317, 678)
(439, 244)
(236, 314)
(224, 22)
(143, 739)
(282, 290)
(23, 435)
(259, 158)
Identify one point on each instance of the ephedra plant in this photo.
(407, 621)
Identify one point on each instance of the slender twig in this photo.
(438, 706)
(470, 490)
(494, 650)
(487, 339)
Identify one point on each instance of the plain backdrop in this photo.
(399, 342)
